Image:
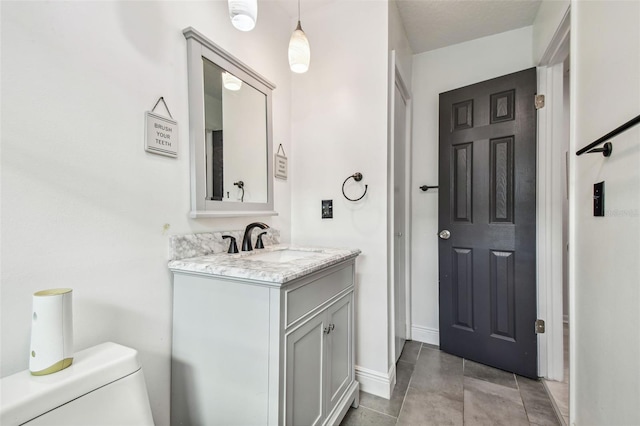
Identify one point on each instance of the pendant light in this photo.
(243, 14)
(299, 50)
(231, 82)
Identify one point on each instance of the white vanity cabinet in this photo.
(250, 352)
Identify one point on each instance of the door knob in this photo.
(444, 234)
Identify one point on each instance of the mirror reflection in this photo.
(235, 138)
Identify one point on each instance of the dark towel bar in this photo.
(427, 187)
(607, 151)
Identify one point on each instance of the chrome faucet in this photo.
(246, 240)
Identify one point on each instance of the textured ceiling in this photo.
(432, 24)
(306, 6)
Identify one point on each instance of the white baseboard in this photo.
(376, 383)
(425, 335)
(381, 384)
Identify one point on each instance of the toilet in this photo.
(104, 386)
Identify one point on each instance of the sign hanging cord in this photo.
(161, 98)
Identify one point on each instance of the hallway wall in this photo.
(605, 272)
(548, 18)
(435, 72)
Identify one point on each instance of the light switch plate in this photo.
(327, 209)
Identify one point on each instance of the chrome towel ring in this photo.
(357, 177)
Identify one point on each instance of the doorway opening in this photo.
(553, 218)
(487, 222)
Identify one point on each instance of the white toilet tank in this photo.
(103, 386)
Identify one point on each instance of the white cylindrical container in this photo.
(51, 331)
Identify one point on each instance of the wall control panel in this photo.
(327, 209)
(598, 199)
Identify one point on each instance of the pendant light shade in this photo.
(299, 51)
(243, 14)
(231, 82)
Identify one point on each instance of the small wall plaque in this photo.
(161, 133)
(280, 169)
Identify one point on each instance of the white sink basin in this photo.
(286, 255)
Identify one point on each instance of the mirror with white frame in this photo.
(230, 133)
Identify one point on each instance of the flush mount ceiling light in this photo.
(243, 14)
(231, 82)
(299, 50)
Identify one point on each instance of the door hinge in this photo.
(539, 326)
(539, 101)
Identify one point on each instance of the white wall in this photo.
(435, 72)
(244, 146)
(83, 205)
(213, 112)
(548, 18)
(605, 271)
(339, 127)
(398, 41)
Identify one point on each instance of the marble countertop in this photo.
(276, 264)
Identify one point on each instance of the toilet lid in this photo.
(25, 396)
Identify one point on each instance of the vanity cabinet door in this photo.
(339, 369)
(304, 372)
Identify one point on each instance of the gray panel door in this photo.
(487, 202)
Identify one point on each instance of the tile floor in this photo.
(435, 388)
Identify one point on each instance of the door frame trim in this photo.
(551, 184)
(396, 79)
(406, 95)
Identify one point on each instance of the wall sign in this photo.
(280, 169)
(161, 133)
